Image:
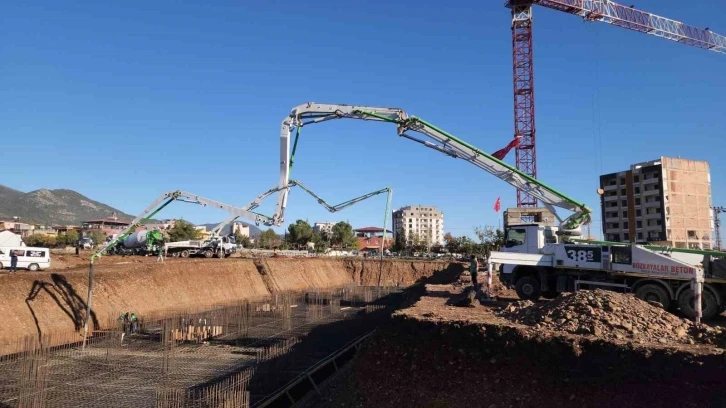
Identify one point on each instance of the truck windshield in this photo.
(515, 237)
(232, 240)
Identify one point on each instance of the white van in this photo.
(30, 258)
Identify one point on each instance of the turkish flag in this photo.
(498, 204)
(500, 154)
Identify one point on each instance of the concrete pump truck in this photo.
(540, 261)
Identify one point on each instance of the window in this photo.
(636, 178)
(515, 237)
(638, 213)
(625, 203)
(639, 224)
(637, 190)
(626, 237)
(640, 235)
(625, 214)
(637, 201)
(625, 226)
(623, 192)
(34, 253)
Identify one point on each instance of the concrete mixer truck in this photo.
(142, 242)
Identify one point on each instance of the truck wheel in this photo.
(33, 267)
(652, 292)
(185, 253)
(208, 253)
(220, 254)
(709, 308)
(528, 288)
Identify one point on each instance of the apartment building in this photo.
(665, 202)
(422, 221)
(323, 227)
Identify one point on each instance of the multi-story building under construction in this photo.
(665, 202)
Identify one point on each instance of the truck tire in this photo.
(220, 254)
(709, 307)
(528, 288)
(208, 253)
(652, 292)
(184, 253)
(33, 267)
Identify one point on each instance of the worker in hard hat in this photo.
(473, 269)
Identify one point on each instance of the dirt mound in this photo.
(419, 363)
(611, 315)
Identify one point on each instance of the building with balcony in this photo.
(108, 226)
(371, 238)
(422, 222)
(665, 202)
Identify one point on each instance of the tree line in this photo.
(490, 239)
(300, 234)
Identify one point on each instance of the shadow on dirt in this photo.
(65, 296)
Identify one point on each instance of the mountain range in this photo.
(53, 207)
(65, 207)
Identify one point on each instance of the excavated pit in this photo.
(210, 330)
(436, 354)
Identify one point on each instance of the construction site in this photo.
(550, 317)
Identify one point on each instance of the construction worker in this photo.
(13, 261)
(161, 254)
(473, 269)
(134, 323)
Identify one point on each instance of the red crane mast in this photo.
(592, 10)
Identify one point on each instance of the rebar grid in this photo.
(213, 356)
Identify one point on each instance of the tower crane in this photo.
(605, 11)
(717, 224)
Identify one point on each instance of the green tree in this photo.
(243, 240)
(183, 231)
(40, 240)
(98, 237)
(399, 241)
(299, 233)
(268, 239)
(344, 236)
(320, 241)
(71, 237)
(490, 239)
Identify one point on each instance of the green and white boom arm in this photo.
(183, 196)
(311, 113)
(332, 208)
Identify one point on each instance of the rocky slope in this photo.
(52, 207)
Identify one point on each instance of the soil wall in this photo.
(43, 302)
(451, 364)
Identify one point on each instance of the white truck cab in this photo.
(538, 263)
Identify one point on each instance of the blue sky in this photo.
(124, 101)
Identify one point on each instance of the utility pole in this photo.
(717, 224)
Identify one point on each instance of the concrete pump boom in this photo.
(446, 143)
(186, 197)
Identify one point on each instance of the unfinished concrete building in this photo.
(666, 201)
(542, 216)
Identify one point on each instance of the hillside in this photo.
(53, 207)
